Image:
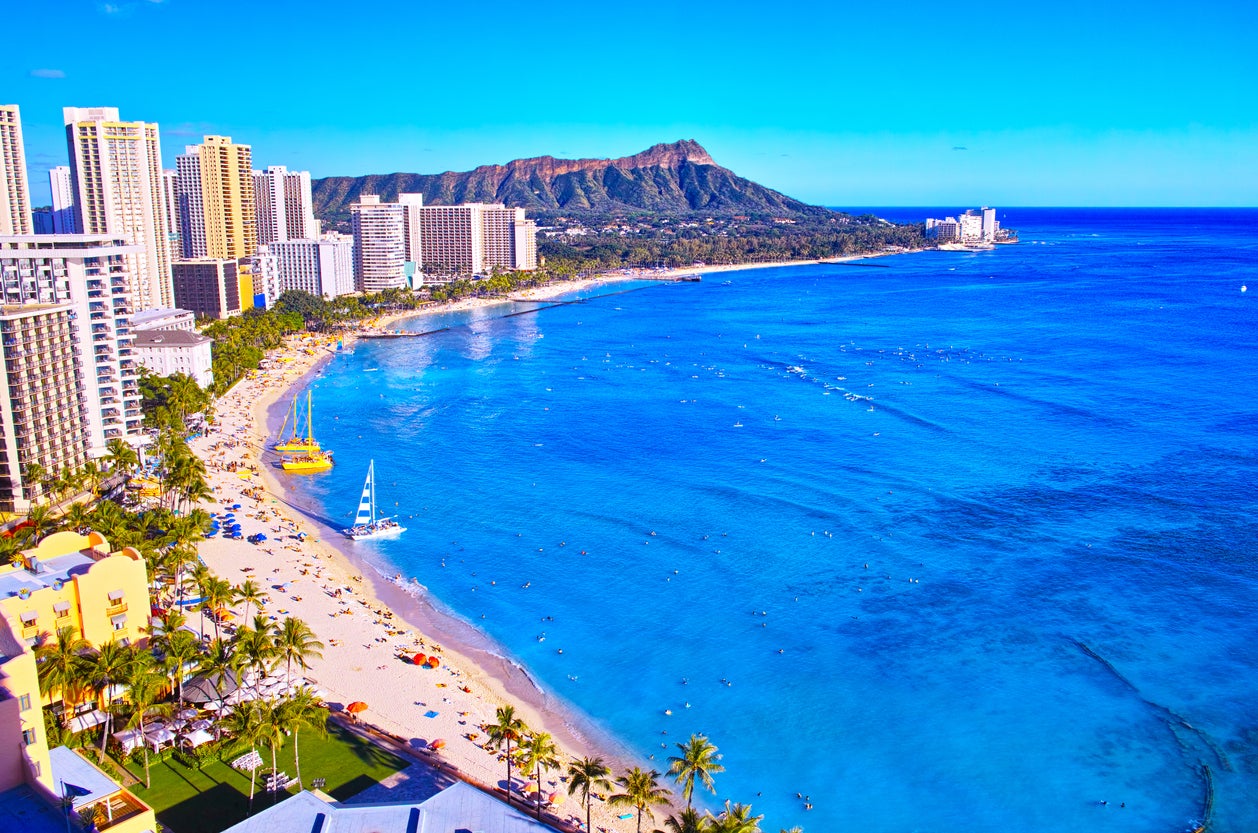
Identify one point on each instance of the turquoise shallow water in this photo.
(1014, 582)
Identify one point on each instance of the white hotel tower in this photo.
(116, 167)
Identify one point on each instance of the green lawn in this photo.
(216, 797)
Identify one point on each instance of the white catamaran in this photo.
(366, 524)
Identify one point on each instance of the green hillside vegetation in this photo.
(666, 179)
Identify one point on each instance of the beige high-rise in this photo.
(15, 192)
(231, 228)
(116, 167)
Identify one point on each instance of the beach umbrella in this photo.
(356, 707)
(436, 744)
(235, 506)
(201, 725)
(187, 714)
(213, 705)
(433, 662)
(419, 659)
(529, 787)
(555, 798)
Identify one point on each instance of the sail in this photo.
(365, 513)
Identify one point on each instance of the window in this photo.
(24, 702)
(28, 736)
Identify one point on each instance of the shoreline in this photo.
(373, 621)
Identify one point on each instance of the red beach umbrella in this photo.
(433, 662)
(356, 707)
(419, 659)
(437, 744)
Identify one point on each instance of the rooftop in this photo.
(77, 778)
(22, 809)
(46, 573)
(168, 338)
(148, 316)
(458, 807)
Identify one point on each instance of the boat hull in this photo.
(390, 532)
(321, 462)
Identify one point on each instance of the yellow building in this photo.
(69, 580)
(231, 229)
(74, 580)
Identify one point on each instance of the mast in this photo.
(310, 417)
(284, 424)
(371, 476)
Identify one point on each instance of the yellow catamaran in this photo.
(303, 454)
(296, 444)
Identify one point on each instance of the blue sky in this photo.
(837, 103)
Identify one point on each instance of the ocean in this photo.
(932, 542)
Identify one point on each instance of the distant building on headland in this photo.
(975, 227)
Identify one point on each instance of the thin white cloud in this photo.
(48, 73)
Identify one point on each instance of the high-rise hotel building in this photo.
(15, 192)
(170, 196)
(70, 381)
(116, 168)
(383, 241)
(62, 185)
(324, 268)
(475, 238)
(216, 198)
(285, 207)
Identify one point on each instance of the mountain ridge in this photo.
(676, 177)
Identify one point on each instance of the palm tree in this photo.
(249, 592)
(39, 520)
(699, 759)
(245, 722)
(255, 646)
(508, 728)
(736, 818)
(180, 649)
(303, 710)
(33, 476)
(585, 775)
(216, 594)
(143, 691)
(689, 820)
(62, 666)
(201, 576)
(78, 517)
(274, 725)
(539, 752)
(641, 790)
(112, 665)
(166, 626)
(216, 664)
(10, 546)
(122, 457)
(296, 641)
(92, 476)
(178, 559)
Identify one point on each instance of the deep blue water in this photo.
(1015, 582)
